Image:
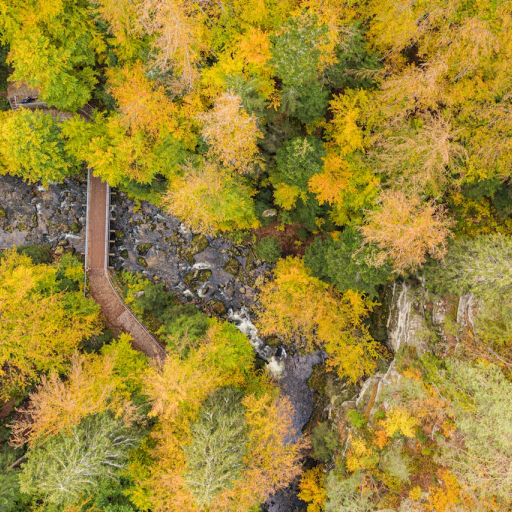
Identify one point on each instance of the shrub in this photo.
(37, 253)
(268, 249)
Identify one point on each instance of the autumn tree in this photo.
(347, 183)
(312, 489)
(143, 104)
(93, 385)
(423, 159)
(208, 199)
(178, 32)
(302, 309)
(219, 442)
(41, 324)
(232, 134)
(108, 148)
(54, 48)
(406, 231)
(32, 146)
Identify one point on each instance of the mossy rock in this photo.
(188, 279)
(119, 234)
(59, 251)
(142, 262)
(232, 266)
(237, 251)
(152, 228)
(143, 249)
(249, 262)
(33, 218)
(199, 244)
(76, 227)
(204, 275)
(272, 341)
(3, 213)
(185, 255)
(124, 254)
(218, 307)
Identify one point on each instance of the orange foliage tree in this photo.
(93, 384)
(232, 133)
(406, 230)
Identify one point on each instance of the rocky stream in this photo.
(218, 275)
(222, 278)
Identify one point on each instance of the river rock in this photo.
(34, 214)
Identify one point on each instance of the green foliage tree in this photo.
(216, 453)
(178, 320)
(346, 264)
(483, 415)
(299, 159)
(268, 249)
(32, 146)
(74, 464)
(37, 253)
(11, 499)
(478, 265)
(296, 51)
(356, 63)
(347, 494)
(54, 49)
(325, 441)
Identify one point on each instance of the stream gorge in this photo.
(222, 278)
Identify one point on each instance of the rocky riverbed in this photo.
(32, 214)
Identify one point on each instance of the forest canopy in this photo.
(360, 152)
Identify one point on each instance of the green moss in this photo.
(142, 262)
(143, 249)
(76, 227)
(217, 307)
(232, 266)
(204, 275)
(199, 244)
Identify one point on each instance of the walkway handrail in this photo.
(107, 274)
(87, 230)
(162, 351)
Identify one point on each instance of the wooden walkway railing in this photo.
(101, 286)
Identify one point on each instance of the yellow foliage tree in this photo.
(302, 309)
(208, 199)
(399, 420)
(143, 104)
(177, 392)
(312, 489)
(41, 325)
(406, 230)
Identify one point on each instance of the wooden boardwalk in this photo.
(100, 284)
